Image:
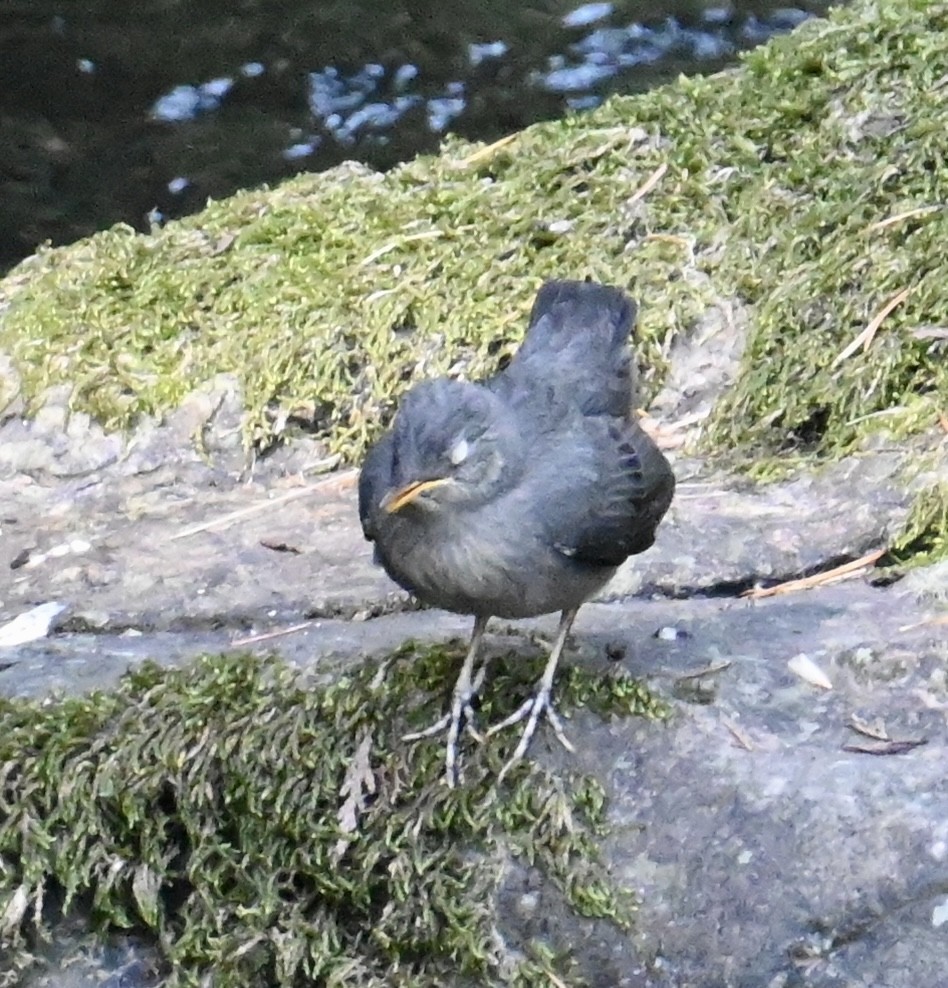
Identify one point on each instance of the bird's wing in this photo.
(375, 479)
(607, 504)
(575, 352)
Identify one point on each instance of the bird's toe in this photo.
(531, 710)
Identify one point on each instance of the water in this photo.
(127, 113)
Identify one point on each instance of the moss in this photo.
(808, 183)
(261, 827)
(924, 537)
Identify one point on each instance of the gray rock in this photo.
(11, 402)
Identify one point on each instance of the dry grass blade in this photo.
(885, 747)
(739, 736)
(223, 521)
(708, 670)
(899, 217)
(395, 244)
(358, 785)
(267, 635)
(943, 421)
(649, 184)
(485, 153)
(817, 579)
(875, 731)
(864, 339)
(943, 619)
(669, 435)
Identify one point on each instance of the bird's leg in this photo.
(541, 702)
(462, 713)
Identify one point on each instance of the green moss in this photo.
(261, 827)
(328, 295)
(924, 537)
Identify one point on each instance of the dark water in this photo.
(142, 111)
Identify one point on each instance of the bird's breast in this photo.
(480, 567)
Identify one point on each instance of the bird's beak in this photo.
(396, 500)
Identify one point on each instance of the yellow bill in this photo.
(397, 500)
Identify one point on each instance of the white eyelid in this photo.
(459, 452)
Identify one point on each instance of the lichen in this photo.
(261, 827)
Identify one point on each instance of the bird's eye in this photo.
(458, 453)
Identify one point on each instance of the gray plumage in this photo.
(560, 485)
(522, 494)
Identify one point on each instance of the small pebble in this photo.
(804, 667)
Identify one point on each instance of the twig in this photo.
(267, 505)
(268, 635)
(817, 579)
(864, 339)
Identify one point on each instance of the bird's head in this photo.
(453, 447)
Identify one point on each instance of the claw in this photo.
(462, 715)
(541, 703)
(532, 710)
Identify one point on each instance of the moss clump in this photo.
(924, 538)
(837, 207)
(810, 184)
(272, 832)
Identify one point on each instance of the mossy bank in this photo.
(809, 184)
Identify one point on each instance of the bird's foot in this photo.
(531, 710)
(460, 718)
(466, 717)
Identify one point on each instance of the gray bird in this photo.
(521, 494)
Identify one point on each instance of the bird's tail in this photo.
(601, 315)
(577, 346)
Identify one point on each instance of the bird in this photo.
(520, 494)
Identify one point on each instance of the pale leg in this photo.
(541, 702)
(462, 713)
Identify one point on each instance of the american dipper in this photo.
(521, 494)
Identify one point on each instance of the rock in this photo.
(703, 362)
(10, 401)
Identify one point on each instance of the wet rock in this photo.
(79, 959)
(776, 832)
(723, 534)
(56, 442)
(785, 827)
(176, 540)
(927, 584)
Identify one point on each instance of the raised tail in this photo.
(577, 345)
